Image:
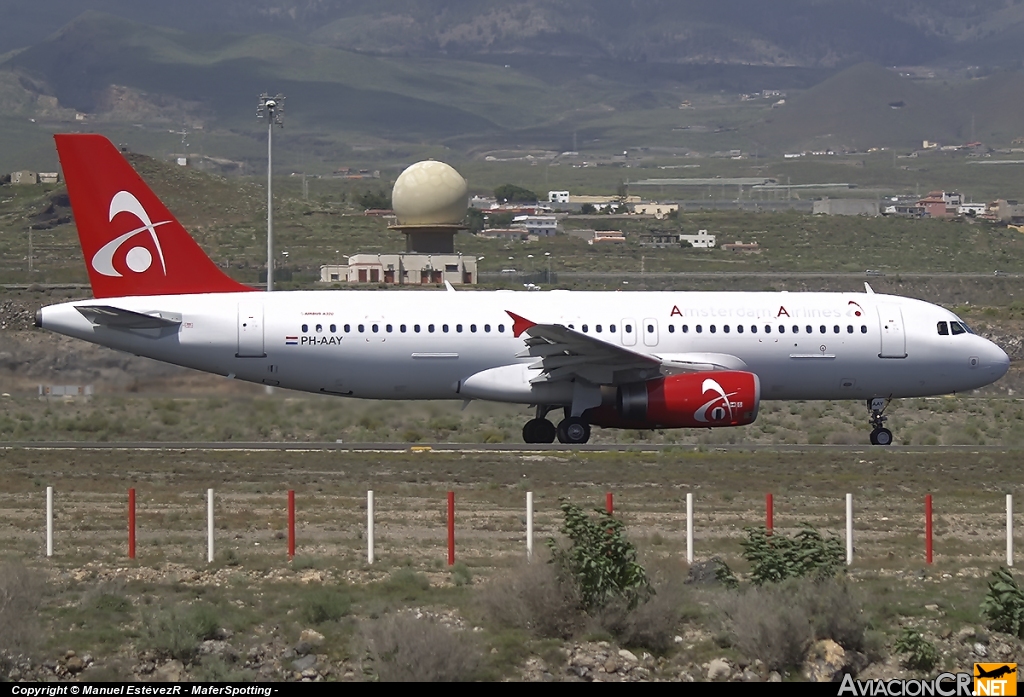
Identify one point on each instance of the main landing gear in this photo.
(571, 430)
(879, 434)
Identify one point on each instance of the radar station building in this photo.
(430, 200)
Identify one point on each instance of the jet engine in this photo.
(689, 400)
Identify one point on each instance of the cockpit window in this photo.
(943, 329)
(957, 328)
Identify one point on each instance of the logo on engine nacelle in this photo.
(720, 405)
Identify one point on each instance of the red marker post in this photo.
(608, 503)
(451, 528)
(291, 524)
(928, 529)
(769, 509)
(131, 523)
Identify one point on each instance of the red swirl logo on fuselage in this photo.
(138, 259)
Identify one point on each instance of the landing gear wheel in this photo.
(539, 431)
(881, 436)
(574, 431)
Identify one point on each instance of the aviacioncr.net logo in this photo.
(719, 405)
(138, 258)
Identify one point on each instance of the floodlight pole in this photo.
(273, 108)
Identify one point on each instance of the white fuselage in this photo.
(424, 344)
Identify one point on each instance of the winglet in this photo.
(519, 324)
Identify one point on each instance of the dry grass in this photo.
(21, 594)
(404, 648)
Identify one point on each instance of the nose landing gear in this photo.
(879, 434)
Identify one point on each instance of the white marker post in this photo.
(529, 525)
(689, 528)
(369, 527)
(209, 525)
(49, 521)
(1009, 529)
(849, 529)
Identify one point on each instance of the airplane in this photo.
(639, 360)
(995, 672)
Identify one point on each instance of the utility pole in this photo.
(30, 254)
(271, 108)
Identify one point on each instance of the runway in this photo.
(498, 447)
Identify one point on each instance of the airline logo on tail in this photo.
(138, 258)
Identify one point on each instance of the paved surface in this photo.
(498, 447)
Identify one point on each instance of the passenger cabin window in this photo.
(725, 329)
(686, 329)
(671, 329)
(305, 328)
(334, 328)
(348, 328)
(822, 329)
(629, 328)
(957, 328)
(739, 328)
(487, 328)
(416, 328)
(598, 328)
(863, 329)
(810, 329)
(699, 329)
(501, 328)
(319, 329)
(611, 328)
(713, 329)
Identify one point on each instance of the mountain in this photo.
(807, 33)
(870, 106)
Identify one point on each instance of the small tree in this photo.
(775, 557)
(600, 561)
(374, 200)
(511, 193)
(1003, 606)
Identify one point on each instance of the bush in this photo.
(834, 610)
(600, 561)
(918, 652)
(21, 593)
(178, 631)
(406, 649)
(651, 625)
(325, 605)
(533, 597)
(763, 623)
(1003, 606)
(775, 557)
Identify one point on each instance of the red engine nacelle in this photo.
(690, 400)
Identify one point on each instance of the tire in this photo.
(882, 436)
(573, 431)
(539, 431)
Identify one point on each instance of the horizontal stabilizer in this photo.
(118, 318)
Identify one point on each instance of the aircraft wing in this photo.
(119, 318)
(565, 354)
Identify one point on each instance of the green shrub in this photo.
(1003, 605)
(600, 561)
(325, 605)
(918, 652)
(775, 557)
(461, 575)
(178, 631)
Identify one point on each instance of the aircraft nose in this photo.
(995, 361)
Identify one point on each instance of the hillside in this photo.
(785, 32)
(869, 106)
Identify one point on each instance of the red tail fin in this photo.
(131, 242)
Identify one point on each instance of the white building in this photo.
(402, 269)
(558, 197)
(972, 209)
(539, 225)
(658, 210)
(702, 240)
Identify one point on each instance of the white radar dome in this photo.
(430, 193)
